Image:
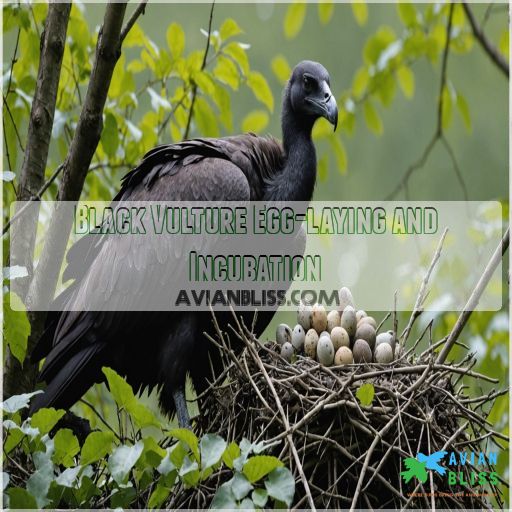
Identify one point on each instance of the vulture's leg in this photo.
(180, 402)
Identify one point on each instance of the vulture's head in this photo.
(310, 94)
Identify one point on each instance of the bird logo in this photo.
(417, 467)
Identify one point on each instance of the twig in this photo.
(203, 64)
(475, 297)
(140, 9)
(438, 133)
(422, 294)
(486, 45)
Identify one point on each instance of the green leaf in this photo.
(239, 55)
(294, 19)
(360, 82)
(96, 446)
(223, 102)
(323, 168)
(373, 119)
(66, 447)
(211, 447)
(280, 485)
(158, 101)
(68, 477)
(46, 419)
(110, 135)
(504, 43)
(121, 391)
(121, 462)
(260, 88)
(387, 88)
(259, 497)
(224, 498)
(405, 78)
(226, 72)
(281, 68)
(407, 13)
(5, 480)
(166, 465)
(229, 29)
(39, 482)
(16, 326)
(259, 466)
(21, 499)
(446, 108)
(325, 12)
(231, 453)
(206, 118)
(463, 107)
(189, 438)
(240, 486)
(365, 394)
(175, 39)
(135, 37)
(339, 152)
(360, 12)
(158, 496)
(256, 121)
(17, 402)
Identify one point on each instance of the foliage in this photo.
(46, 467)
(158, 93)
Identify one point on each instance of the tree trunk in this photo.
(31, 178)
(76, 165)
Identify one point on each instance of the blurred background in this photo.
(385, 63)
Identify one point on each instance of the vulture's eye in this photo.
(309, 83)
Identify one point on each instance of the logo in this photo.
(417, 468)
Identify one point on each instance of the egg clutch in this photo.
(342, 336)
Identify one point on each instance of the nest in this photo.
(344, 454)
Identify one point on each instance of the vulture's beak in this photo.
(325, 105)
(330, 106)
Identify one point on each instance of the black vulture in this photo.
(161, 348)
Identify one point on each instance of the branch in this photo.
(141, 9)
(486, 45)
(475, 297)
(32, 172)
(194, 87)
(83, 145)
(41, 122)
(438, 133)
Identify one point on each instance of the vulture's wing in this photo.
(229, 169)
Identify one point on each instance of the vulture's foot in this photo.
(181, 408)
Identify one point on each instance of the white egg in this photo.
(386, 337)
(348, 321)
(325, 351)
(287, 351)
(305, 315)
(283, 334)
(298, 337)
(345, 299)
(383, 353)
